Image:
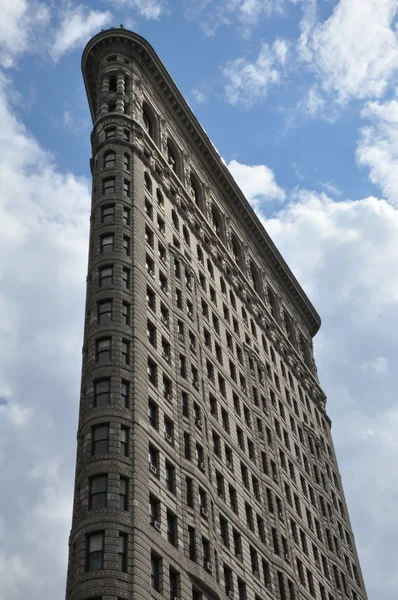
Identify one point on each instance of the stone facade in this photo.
(199, 397)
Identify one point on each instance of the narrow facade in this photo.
(205, 464)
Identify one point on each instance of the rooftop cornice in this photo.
(148, 58)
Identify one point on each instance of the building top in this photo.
(147, 57)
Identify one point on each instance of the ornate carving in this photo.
(163, 135)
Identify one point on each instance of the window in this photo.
(98, 491)
(189, 491)
(241, 589)
(125, 313)
(220, 485)
(173, 579)
(161, 225)
(171, 157)
(109, 160)
(205, 550)
(153, 459)
(126, 278)
(261, 529)
(148, 182)
(192, 543)
(106, 243)
(249, 516)
(168, 429)
(153, 510)
(237, 538)
(228, 580)
(100, 439)
(171, 523)
(105, 276)
(126, 161)
(122, 551)
(153, 413)
(126, 245)
(170, 477)
(126, 187)
(123, 440)
(233, 499)
(225, 420)
(123, 489)
(155, 572)
(146, 117)
(108, 186)
(254, 561)
(150, 298)
(124, 394)
(224, 531)
(152, 371)
(110, 132)
(102, 392)
(95, 551)
(104, 311)
(108, 214)
(125, 352)
(151, 333)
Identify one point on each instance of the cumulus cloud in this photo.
(257, 181)
(77, 25)
(44, 214)
(379, 365)
(378, 146)
(149, 9)
(244, 13)
(344, 254)
(248, 82)
(22, 24)
(355, 51)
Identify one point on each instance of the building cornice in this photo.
(146, 56)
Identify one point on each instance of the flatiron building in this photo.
(205, 465)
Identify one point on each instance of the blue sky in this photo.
(299, 97)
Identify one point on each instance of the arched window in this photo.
(236, 249)
(148, 182)
(273, 304)
(304, 348)
(172, 156)
(253, 328)
(216, 221)
(148, 119)
(160, 199)
(289, 327)
(175, 220)
(109, 159)
(185, 233)
(112, 83)
(256, 279)
(195, 190)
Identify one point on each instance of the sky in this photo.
(299, 97)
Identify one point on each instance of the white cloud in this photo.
(44, 214)
(345, 255)
(378, 365)
(257, 182)
(248, 82)
(355, 51)
(245, 13)
(378, 146)
(22, 25)
(313, 103)
(198, 96)
(77, 25)
(149, 9)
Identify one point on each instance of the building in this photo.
(205, 464)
